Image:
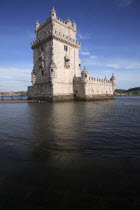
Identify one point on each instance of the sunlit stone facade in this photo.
(56, 73)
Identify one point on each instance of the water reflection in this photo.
(83, 153)
(75, 126)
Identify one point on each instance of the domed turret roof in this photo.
(37, 23)
(53, 10)
(85, 71)
(113, 77)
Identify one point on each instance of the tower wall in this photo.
(42, 57)
(40, 92)
(64, 82)
(65, 27)
(44, 28)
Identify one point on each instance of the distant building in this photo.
(56, 73)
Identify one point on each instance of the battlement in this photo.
(44, 37)
(93, 80)
(66, 23)
(57, 35)
(66, 38)
(42, 25)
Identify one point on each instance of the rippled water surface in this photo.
(60, 155)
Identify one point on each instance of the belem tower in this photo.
(57, 72)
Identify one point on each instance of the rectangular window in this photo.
(65, 48)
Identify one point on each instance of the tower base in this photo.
(63, 98)
(95, 98)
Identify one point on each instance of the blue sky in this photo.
(109, 31)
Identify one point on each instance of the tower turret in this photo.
(113, 80)
(68, 22)
(85, 74)
(74, 26)
(105, 79)
(53, 13)
(36, 26)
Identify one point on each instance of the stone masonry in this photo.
(56, 72)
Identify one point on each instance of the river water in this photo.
(74, 155)
(13, 98)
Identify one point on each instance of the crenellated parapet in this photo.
(57, 35)
(44, 37)
(86, 79)
(93, 80)
(42, 25)
(54, 27)
(97, 80)
(67, 39)
(67, 23)
(86, 87)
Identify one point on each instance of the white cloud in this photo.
(124, 64)
(93, 56)
(112, 63)
(126, 71)
(115, 66)
(84, 36)
(124, 3)
(84, 53)
(13, 79)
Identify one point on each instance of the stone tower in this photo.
(56, 59)
(56, 72)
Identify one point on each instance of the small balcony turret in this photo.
(113, 80)
(53, 13)
(68, 22)
(37, 26)
(85, 75)
(33, 77)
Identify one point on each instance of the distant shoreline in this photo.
(34, 101)
(132, 91)
(10, 101)
(127, 95)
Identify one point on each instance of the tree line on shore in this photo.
(131, 91)
(11, 93)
